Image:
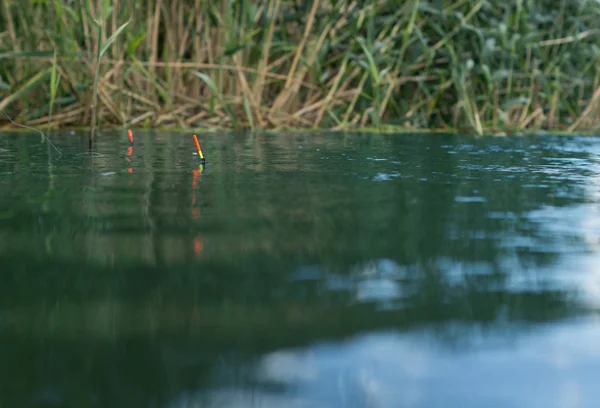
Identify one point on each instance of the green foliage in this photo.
(484, 65)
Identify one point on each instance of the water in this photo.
(315, 270)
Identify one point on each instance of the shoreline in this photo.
(388, 130)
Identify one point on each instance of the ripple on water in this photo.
(472, 199)
(385, 176)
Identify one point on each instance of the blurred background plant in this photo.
(480, 66)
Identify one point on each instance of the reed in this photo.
(473, 65)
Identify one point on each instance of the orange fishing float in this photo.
(202, 159)
(130, 134)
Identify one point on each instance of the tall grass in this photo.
(476, 65)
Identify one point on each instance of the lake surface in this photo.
(312, 270)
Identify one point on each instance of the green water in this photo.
(318, 270)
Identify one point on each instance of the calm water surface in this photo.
(317, 270)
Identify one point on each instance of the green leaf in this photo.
(54, 78)
(136, 42)
(209, 82)
(32, 54)
(242, 43)
(112, 38)
(372, 67)
(30, 84)
(71, 12)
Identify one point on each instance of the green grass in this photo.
(477, 66)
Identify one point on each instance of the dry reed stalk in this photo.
(62, 118)
(387, 96)
(198, 50)
(357, 92)
(248, 93)
(107, 99)
(133, 96)
(140, 118)
(154, 40)
(537, 113)
(566, 40)
(201, 115)
(586, 112)
(365, 116)
(262, 70)
(208, 66)
(284, 95)
(172, 116)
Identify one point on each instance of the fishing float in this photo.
(202, 159)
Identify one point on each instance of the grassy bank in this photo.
(475, 65)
